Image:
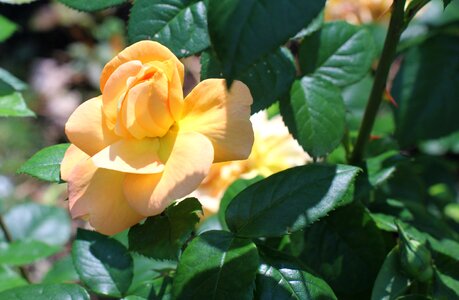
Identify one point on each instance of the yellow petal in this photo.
(86, 127)
(144, 51)
(72, 157)
(221, 116)
(98, 193)
(190, 157)
(131, 156)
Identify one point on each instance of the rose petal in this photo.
(144, 51)
(221, 116)
(190, 157)
(72, 157)
(131, 156)
(86, 127)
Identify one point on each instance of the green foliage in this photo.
(10, 279)
(162, 237)
(93, 5)
(216, 265)
(181, 25)
(46, 163)
(46, 292)
(62, 271)
(19, 253)
(8, 28)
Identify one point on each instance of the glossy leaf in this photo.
(19, 253)
(46, 292)
(216, 265)
(294, 198)
(318, 115)
(13, 105)
(346, 249)
(49, 224)
(8, 28)
(46, 163)
(339, 53)
(103, 264)
(180, 25)
(92, 5)
(243, 32)
(10, 279)
(268, 79)
(162, 236)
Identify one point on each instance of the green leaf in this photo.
(268, 79)
(9, 83)
(216, 265)
(162, 236)
(294, 198)
(346, 249)
(13, 105)
(19, 253)
(446, 3)
(103, 264)
(231, 192)
(49, 224)
(46, 292)
(319, 117)
(46, 163)
(10, 279)
(92, 5)
(62, 271)
(180, 25)
(390, 282)
(8, 28)
(243, 32)
(426, 89)
(340, 53)
(446, 286)
(280, 280)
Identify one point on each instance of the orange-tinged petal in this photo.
(86, 127)
(144, 51)
(97, 193)
(131, 156)
(221, 116)
(190, 157)
(72, 157)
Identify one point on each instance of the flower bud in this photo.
(416, 259)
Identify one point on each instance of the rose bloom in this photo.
(140, 145)
(274, 150)
(357, 11)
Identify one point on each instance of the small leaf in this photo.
(180, 25)
(339, 53)
(13, 105)
(62, 271)
(390, 282)
(103, 264)
(10, 279)
(9, 83)
(162, 236)
(92, 5)
(46, 163)
(319, 116)
(294, 198)
(19, 253)
(216, 265)
(46, 292)
(8, 28)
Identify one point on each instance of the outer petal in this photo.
(131, 156)
(145, 51)
(86, 127)
(98, 194)
(191, 155)
(222, 116)
(72, 157)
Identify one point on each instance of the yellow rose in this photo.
(140, 145)
(358, 11)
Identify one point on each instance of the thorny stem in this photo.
(396, 26)
(9, 239)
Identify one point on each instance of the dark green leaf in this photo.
(294, 198)
(340, 53)
(180, 25)
(10, 279)
(391, 282)
(243, 32)
(20, 253)
(9, 83)
(318, 115)
(46, 163)
(346, 249)
(268, 79)
(92, 5)
(426, 89)
(49, 224)
(13, 105)
(446, 286)
(162, 236)
(46, 292)
(103, 264)
(62, 271)
(381, 167)
(216, 265)
(446, 3)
